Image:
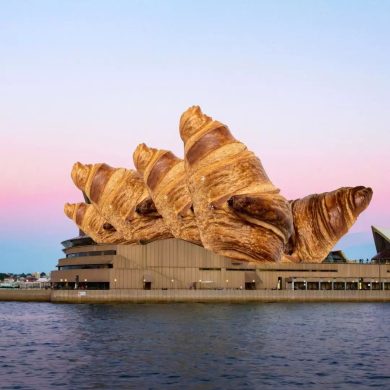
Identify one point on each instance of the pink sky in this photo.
(306, 88)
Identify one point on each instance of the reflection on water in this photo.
(200, 346)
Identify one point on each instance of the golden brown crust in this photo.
(160, 168)
(220, 168)
(320, 220)
(116, 193)
(80, 212)
(191, 122)
(165, 176)
(79, 174)
(102, 176)
(142, 157)
(88, 219)
(208, 143)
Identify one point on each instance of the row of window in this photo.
(92, 253)
(339, 286)
(227, 269)
(269, 270)
(297, 270)
(84, 266)
(82, 286)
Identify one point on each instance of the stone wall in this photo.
(152, 296)
(156, 296)
(25, 295)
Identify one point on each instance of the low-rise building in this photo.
(176, 264)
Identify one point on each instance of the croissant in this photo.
(122, 199)
(93, 224)
(165, 177)
(240, 213)
(320, 220)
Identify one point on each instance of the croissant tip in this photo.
(136, 154)
(69, 209)
(191, 120)
(362, 197)
(140, 148)
(141, 156)
(80, 174)
(78, 165)
(196, 109)
(193, 109)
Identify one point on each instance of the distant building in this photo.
(382, 245)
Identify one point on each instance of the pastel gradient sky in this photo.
(305, 84)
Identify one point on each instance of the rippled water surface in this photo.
(195, 346)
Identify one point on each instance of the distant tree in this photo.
(42, 275)
(3, 276)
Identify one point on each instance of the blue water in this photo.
(195, 346)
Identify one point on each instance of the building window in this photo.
(147, 285)
(209, 269)
(250, 285)
(240, 269)
(84, 266)
(81, 286)
(91, 253)
(339, 285)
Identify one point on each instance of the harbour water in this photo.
(195, 346)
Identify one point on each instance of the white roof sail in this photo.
(381, 238)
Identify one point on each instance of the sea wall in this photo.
(166, 296)
(25, 295)
(152, 296)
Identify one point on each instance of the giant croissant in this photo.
(165, 177)
(93, 224)
(220, 197)
(122, 199)
(320, 220)
(240, 213)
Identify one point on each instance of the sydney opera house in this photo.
(176, 264)
(210, 221)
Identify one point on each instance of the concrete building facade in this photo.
(176, 264)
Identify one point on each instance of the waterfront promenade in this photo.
(168, 296)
